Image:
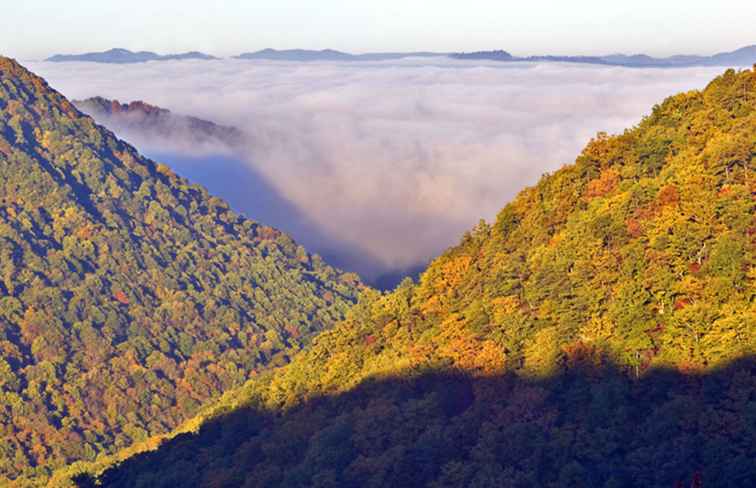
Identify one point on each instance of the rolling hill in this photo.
(601, 332)
(129, 297)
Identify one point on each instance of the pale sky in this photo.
(34, 29)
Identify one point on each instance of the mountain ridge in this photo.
(329, 55)
(125, 56)
(743, 57)
(129, 297)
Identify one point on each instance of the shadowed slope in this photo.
(583, 428)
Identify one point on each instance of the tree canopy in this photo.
(128, 296)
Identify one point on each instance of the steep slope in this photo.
(602, 332)
(128, 296)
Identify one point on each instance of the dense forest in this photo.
(600, 333)
(128, 296)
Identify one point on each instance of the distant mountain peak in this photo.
(328, 55)
(745, 56)
(123, 56)
(495, 55)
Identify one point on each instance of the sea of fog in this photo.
(380, 166)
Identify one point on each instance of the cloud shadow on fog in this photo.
(248, 192)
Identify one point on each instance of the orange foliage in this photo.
(121, 297)
(681, 303)
(30, 325)
(86, 231)
(603, 185)
(633, 227)
(293, 330)
(5, 148)
(668, 195)
(454, 270)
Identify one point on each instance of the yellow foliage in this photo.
(542, 355)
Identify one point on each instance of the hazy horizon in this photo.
(548, 27)
(596, 53)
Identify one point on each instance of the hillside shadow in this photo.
(249, 192)
(390, 279)
(586, 427)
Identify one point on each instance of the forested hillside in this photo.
(600, 333)
(128, 296)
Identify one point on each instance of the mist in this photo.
(379, 166)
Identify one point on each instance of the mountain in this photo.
(143, 119)
(330, 55)
(745, 56)
(599, 333)
(488, 55)
(643, 60)
(123, 56)
(128, 296)
(569, 59)
(298, 55)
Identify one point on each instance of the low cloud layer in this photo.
(388, 163)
